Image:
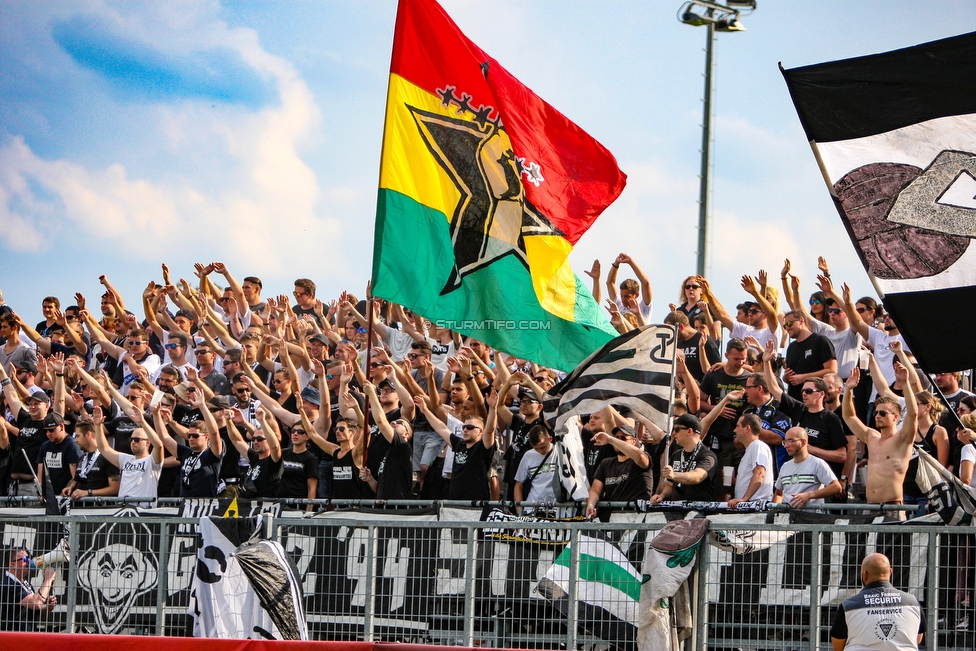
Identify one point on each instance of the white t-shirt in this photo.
(397, 343)
(151, 364)
(879, 340)
(457, 428)
(644, 308)
(757, 454)
(541, 489)
(741, 331)
(139, 476)
(847, 345)
(969, 454)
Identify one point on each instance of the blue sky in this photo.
(137, 133)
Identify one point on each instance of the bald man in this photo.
(879, 616)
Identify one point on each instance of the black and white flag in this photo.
(636, 370)
(895, 137)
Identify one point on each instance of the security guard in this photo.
(879, 616)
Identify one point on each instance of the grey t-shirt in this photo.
(809, 475)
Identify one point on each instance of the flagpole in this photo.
(369, 293)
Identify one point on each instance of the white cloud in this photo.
(265, 205)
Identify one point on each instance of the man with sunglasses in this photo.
(20, 605)
(304, 297)
(808, 356)
(889, 446)
(59, 455)
(825, 437)
(140, 471)
(174, 354)
(134, 354)
(473, 451)
(200, 459)
(207, 370)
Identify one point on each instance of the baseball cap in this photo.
(689, 421)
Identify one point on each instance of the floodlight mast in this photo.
(714, 17)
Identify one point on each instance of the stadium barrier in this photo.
(446, 576)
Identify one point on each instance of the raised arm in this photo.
(772, 322)
(716, 306)
(847, 408)
(98, 416)
(9, 391)
(788, 294)
(645, 283)
(772, 382)
(436, 423)
(376, 409)
(632, 452)
(594, 274)
(712, 416)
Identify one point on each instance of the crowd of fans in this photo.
(217, 391)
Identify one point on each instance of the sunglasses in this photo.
(299, 431)
(807, 392)
(329, 377)
(861, 310)
(299, 294)
(137, 439)
(399, 421)
(881, 412)
(195, 436)
(361, 331)
(679, 428)
(131, 343)
(789, 324)
(224, 299)
(241, 390)
(279, 380)
(259, 438)
(413, 355)
(375, 365)
(834, 310)
(753, 310)
(468, 428)
(816, 301)
(172, 346)
(692, 286)
(202, 352)
(540, 379)
(346, 429)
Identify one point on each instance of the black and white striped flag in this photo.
(895, 137)
(635, 369)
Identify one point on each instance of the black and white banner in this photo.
(895, 137)
(635, 369)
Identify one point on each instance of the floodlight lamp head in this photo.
(729, 25)
(689, 17)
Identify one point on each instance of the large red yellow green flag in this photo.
(484, 190)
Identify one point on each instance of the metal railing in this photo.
(443, 576)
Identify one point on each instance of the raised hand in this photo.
(786, 268)
(822, 266)
(80, 300)
(594, 271)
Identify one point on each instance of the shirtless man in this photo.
(889, 449)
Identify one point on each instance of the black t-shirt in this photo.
(13, 616)
(714, 386)
(185, 414)
(774, 420)
(58, 459)
(378, 445)
(121, 429)
(346, 484)
(296, 469)
(230, 467)
(808, 356)
(518, 443)
(824, 428)
(593, 455)
(690, 349)
(624, 481)
(395, 479)
(93, 471)
(700, 457)
(261, 478)
(198, 472)
(30, 439)
(469, 476)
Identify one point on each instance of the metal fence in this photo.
(443, 576)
